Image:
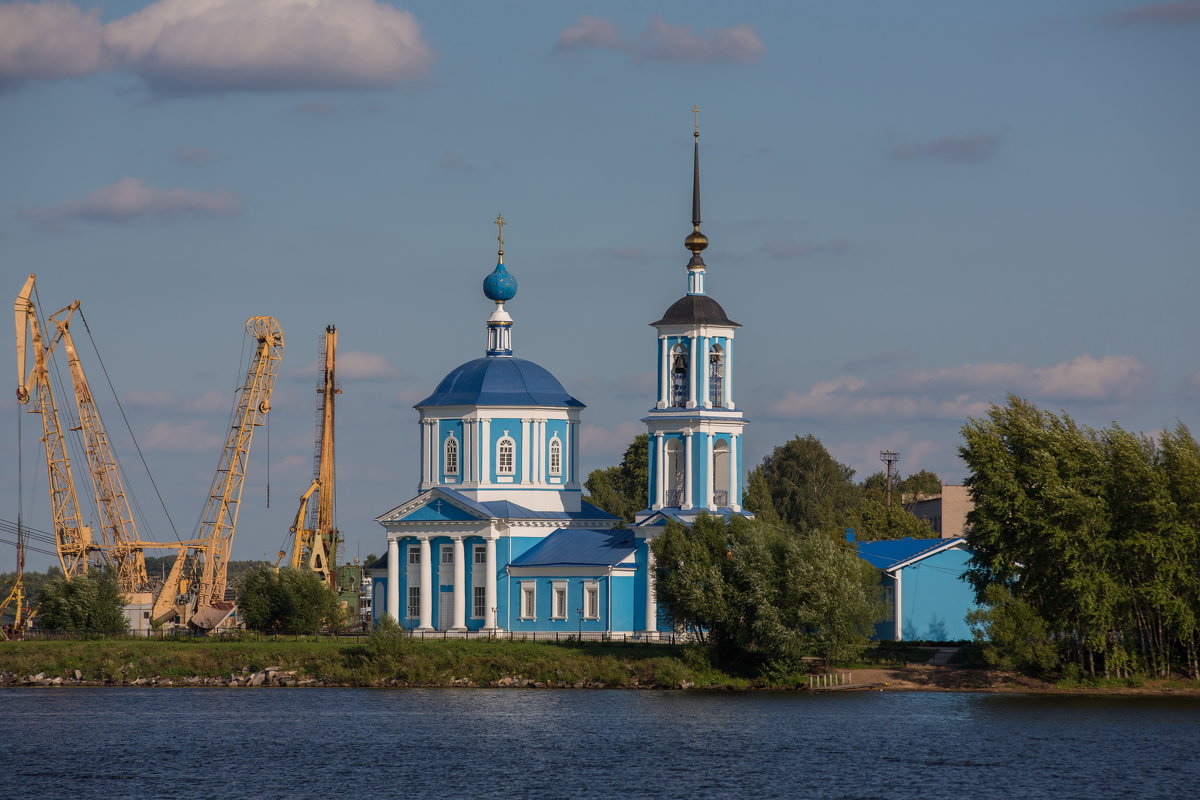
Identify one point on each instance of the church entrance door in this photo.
(445, 611)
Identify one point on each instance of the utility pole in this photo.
(889, 457)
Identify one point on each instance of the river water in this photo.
(444, 743)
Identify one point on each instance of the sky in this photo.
(914, 210)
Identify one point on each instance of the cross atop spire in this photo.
(696, 241)
(500, 223)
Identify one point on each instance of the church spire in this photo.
(696, 241)
(499, 286)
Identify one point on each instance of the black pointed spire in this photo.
(696, 241)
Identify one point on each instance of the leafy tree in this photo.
(761, 596)
(89, 603)
(906, 490)
(871, 520)
(806, 487)
(287, 601)
(622, 490)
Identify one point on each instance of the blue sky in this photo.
(914, 209)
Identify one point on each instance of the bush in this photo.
(86, 603)
(287, 601)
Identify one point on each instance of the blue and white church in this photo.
(499, 537)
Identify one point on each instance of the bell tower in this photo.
(695, 427)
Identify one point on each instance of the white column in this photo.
(393, 580)
(705, 400)
(485, 450)
(573, 436)
(729, 373)
(426, 623)
(692, 366)
(708, 473)
(687, 469)
(660, 462)
(489, 583)
(468, 450)
(664, 380)
(898, 625)
(735, 442)
(424, 453)
(460, 586)
(651, 602)
(526, 446)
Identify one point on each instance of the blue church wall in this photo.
(497, 428)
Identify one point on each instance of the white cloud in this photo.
(352, 365)
(185, 46)
(131, 198)
(954, 393)
(190, 437)
(210, 401)
(47, 40)
(662, 41)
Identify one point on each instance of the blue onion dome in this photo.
(500, 285)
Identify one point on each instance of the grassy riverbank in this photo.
(405, 662)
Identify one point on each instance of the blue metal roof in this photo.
(579, 548)
(886, 553)
(500, 381)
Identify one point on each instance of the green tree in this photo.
(287, 601)
(622, 490)
(906, 489)
(872, 520)
(90, 603)
(761, 596)
(805, 486)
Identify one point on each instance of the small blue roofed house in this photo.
(926, 595)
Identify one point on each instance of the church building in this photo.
(499, 537)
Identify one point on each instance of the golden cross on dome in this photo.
(696, 111)
(500, 223)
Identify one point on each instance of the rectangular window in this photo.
(591, 600)
(560, 600)
(480, 554)
(447, 554)
(414, 554)
(414, 602)
(478, 602)
(528, 600)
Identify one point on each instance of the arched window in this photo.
(506, 461)
(679, 376)
(556, 455)
(716, 376)
(720, 487)
(450, 455)
(674, 475)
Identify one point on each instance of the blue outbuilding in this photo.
(924, 588)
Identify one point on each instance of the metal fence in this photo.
(588, 637)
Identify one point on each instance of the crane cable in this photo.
(129, 428)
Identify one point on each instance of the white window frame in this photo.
(591, 592)
(555, 455)
(444, 550)
(414, 602)
(450, 451)
(511, 454)
(414, 555)
(560, 604)
(479, 554)
(478, 602)
(528, 600)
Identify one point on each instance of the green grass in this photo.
(409, 662)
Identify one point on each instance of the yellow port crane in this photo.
(73, 538)
(219, 520)
(118, 529)
(314, 546)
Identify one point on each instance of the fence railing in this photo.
(563, 637)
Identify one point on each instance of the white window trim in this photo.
(414, 609)
(528, 589)
(443, 550)
(512, 468)
(591, 586)
(560, 589)
(479, 554)
(556, 451)
(446, 455)
(478, 591)
(414, 555)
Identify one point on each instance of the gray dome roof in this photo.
(696, 309)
